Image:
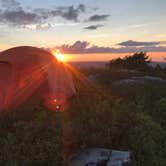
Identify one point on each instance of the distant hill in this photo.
(102, 64)
(93, 64)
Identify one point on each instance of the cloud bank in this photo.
(80, 47)
(131, 43)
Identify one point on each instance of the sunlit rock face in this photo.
(24, 70)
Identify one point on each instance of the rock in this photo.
(138, 80)
(100, 157)
(127, 81)
(119, 158)
(152, 78)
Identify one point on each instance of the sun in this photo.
(60, 57)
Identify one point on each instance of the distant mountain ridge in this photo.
(102, 64)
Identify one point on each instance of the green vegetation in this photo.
(123, 117)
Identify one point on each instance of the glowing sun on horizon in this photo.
(60, 57)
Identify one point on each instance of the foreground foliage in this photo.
(124, 117)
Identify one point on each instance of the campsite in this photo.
(82, 83)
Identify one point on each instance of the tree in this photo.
(137, 61)
(116, 63)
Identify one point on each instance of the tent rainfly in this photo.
(26, 71)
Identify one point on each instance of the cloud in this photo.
(72, 13)
(66, 12)
(10, 4)
(19, 17)
(44, 26)
(98, 17)
(13, 14)
(80, 47)
(93, 27)
(81, 7)
(77, 47)
(131, 43)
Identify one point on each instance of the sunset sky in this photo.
(86, 29)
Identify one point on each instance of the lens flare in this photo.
(60, 57)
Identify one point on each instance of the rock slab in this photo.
(101, 157)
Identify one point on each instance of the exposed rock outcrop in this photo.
(101, 157)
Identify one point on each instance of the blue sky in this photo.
(117, 21)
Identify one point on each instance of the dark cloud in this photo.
(81, 7)
(80, 47)
(98, 17)
(72, 14)
(18, 17)
(131, 43)
(10, 4)
(93, 27)
(68, 13)
(12, 13)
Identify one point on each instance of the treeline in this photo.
(138, 61)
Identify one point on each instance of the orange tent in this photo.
(26, 70)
